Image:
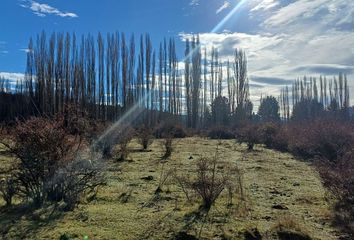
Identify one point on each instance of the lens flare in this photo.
(127, 117)
(232, 13)
(136, 109)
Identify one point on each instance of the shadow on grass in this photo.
(22, 221)
(344, 217)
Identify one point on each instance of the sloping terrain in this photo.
(278, 190)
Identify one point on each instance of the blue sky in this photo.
(284, 39)
(22, 19)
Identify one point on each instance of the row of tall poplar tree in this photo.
(108, 75)
(309, 98)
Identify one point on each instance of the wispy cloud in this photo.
(226, 5)
(327, 14)
(194, 3)
(265, 5)
(269, 80)
(327, 69)
(12, 77)
(26, 50)
(293, 39)
(43, 9)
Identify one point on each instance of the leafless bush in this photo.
(72, 182)
(168, 147)
(164, 176)
(170, 128)
(48, 170)
(8, 189)
(250, 135)
(209, 184)
(106, 149)
(125, 137)
(210, 179)
(121, 137)
(327, 139)
(78, 122)
(42, 146)
(268, 132)
(280, 140)
(145, 137)
(221, 132)
(338, 177)
(184, 181)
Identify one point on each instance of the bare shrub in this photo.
(106, 149)
(323, 138)
(170, 128)
(268, 132)
(207, 185)
(125, 137)
(280, 140)
(121, 137)
(221, 132)
(145, 137)
(164, 176)
(42, 146)
(250, 135)
(48, 170)
(338, 177)
(168, 146)
(184, 181)
(77, 179)
(210, 179)
(123, 151)
(8, 189)
(79, 123)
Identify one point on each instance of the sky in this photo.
(283, 39)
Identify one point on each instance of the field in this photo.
(279, 190)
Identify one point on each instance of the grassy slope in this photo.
(269, 178)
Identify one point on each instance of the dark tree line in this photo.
(108, 75)
(310, 98)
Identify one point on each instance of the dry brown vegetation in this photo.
(46, 166)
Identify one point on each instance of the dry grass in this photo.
(270, 179)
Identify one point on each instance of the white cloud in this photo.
(226, 5)
(12, 78)
(257, 46)
(304, 37)
(26, 50)
(321, 13)
(265, 5)
(194, 3)
(42, 9)
(295, 11)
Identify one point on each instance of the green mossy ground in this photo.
(128, 208)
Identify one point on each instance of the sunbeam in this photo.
(135, 111)
(219, 26)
